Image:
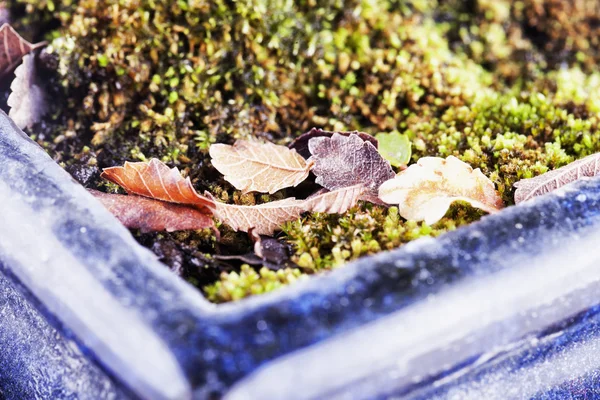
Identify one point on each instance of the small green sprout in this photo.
(395, 147)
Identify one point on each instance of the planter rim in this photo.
(94, 283)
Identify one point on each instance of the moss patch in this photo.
(247, 282)
(511, 87)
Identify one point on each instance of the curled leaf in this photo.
(27, 100)
(263, 219)
(336, 202)
(552, 180)
(343, 161)
(300, 144)
(155, 180)
(395, 148)
(424, 191)
(12, 48)
(273, 253)
(153, 215)
(260, 167)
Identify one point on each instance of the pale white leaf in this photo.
(425, 190)
(27, 100)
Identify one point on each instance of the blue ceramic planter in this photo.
(505, 308)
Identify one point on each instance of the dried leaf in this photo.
(552, 180)
(336, 202)
(343, 161)
(273, 253)
(269, 258)
(27, 100)
(424, 191)
(395, 148)
(12, 48)
(248, 258)
(260, 167)
(153, 215)
(263, 219)
(155, 180)
(300, 144)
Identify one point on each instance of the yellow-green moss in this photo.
(237, 285)
(325, 241)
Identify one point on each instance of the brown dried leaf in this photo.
(155, 180)
(336, 202)
(300, 144)
(263, 219)
(27, 100)
(552, 180)
(153, 215)
(425, 190)
(12, 48)
(260, 167)
(343, 161)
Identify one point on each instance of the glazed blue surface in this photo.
(37, 361)
(559, 341)
(216, 347)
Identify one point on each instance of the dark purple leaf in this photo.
(344, 161)
(300, 144)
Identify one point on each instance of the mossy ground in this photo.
(511, 87)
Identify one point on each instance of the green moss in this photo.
(326, 241)
(237, 285)
(511, 87)
(510, 137)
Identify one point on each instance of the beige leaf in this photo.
(263, 219)
(335, 202)
(425, 190)
(260, 167)
(155, 180)
(300, 144)
(27, 100)
(552, 180)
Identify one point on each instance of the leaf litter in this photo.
(27, 100)
(156, 180)
(335, 202)
(343, 161)
(262, 219)
(529, 188)
(149, 215)
(300, 144)
(12, 48)
(425, 190)
(347, 166)
(259, 167)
